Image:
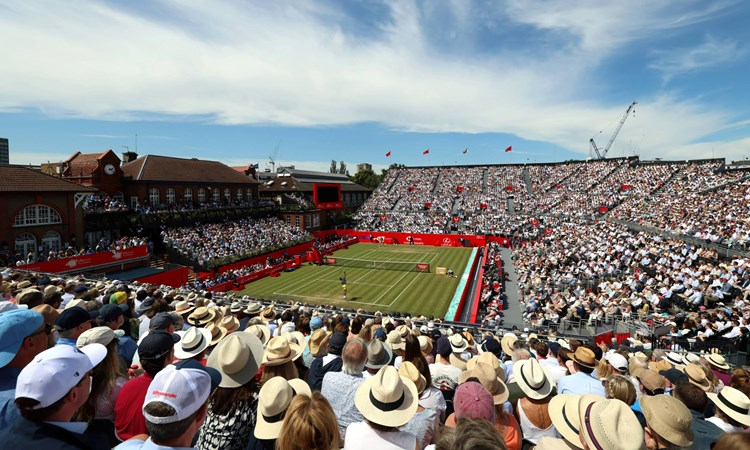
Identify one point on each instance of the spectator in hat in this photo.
(532, 410)
(274, 399)
(113, 317)
(176, 406)
(583, 381)
(650, 383)
(695, 399)
(49, 390)
(386, 401)
(424, 425)
(30, 297)
(107, 380)
(72, 322)
(609, 425)
(23, 335)
(379, 355)
(156, 352)
(193, 344)
(667, 423)
(309, 424)
(732, 410)
(233, 405)
(49, 314)
(158, 305)
(331, 362)
(339, 387)
(444, 374)
(279, 359)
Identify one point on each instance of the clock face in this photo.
(109, 169)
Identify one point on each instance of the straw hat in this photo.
(650, 379)
(280, 351)
(96, 335)
(489, 359)
(487, 376)
(230, 323)
(734, 403)
(456, 361)
(183, 307)
(688, 358)
(237, 358)
(295, 337)
(192, 342)
(674, 358)
(507, 343)
(403, 331)
(387, 399)
(610, 424)
(549, 443)
(260, 331)
(201, 316)
(49, 313)
(253, 309)
(378, 354)
(235, 307)
(394, 341)
(273, 400)
(458, 343)
(318, 340)
(469, 338)
(585, 357)
(217, 333)
(717, 361)
(425, 345)
(409, 370)
(669, 418)
(563, 410)
(534, 379)
(658, 366)
(697, 376)
(268, 314)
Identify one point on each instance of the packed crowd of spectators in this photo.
(101, 203)
(69, 249)
(102, 364)
(231, 240)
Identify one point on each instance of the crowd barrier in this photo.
(173, 278)
(465, 292)
(86, 262)
(261, 259)
(478, 292)
(434, 240)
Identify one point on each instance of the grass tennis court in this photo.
(373, 288)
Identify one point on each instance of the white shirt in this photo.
(360, 435)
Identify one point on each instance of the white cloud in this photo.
(290, 63)
(710, 53)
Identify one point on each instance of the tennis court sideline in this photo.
(377, 286)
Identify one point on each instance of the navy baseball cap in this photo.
(74, 316)
(162, 321)
(157, 344)
(444, 347)
(110, 312)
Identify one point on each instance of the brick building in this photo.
(38, 212)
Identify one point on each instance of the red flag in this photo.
(388, 154)
(383, 218)
(426, 152)
(459, 188)
(427, 205)
(508, 188)
(508, 149)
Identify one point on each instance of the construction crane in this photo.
(274, 155)
(602, 153)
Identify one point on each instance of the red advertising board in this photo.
(174, 278)
(423, 267)
(84, 262)
(330, 260)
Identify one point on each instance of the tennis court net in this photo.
(378, 265)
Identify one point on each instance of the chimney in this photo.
(129, 157)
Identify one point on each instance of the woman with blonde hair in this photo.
(309, 424)
(619, 387)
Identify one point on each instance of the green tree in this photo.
(367, 178)
(333, 168)
(342, 168)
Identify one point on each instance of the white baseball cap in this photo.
(54, 372)
(184, 386)
(618, 361)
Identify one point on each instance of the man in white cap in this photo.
(176, 406)
(49, 390)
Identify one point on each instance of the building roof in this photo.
(291, 184)
(182, 170)
(15, 178)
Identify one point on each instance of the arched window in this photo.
(201, 195)
(119, 196)
(227, 194)
(249, 194)
(170, 196)
(36, 215)
(51, 242)
(239, 194)
(189, 195)
(153, 196)
(217, 195)
(25, 244)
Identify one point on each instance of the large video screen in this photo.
(328, 194)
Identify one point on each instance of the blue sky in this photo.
(351, 80)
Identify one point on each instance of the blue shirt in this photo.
(8, 411)
(127, 349)
(580, 383)
(66, 341)
(146, 445)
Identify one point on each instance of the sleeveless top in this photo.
(531, 432)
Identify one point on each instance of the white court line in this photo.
(359, 283)
(314, 279)
(408, 285)
(327, 299)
